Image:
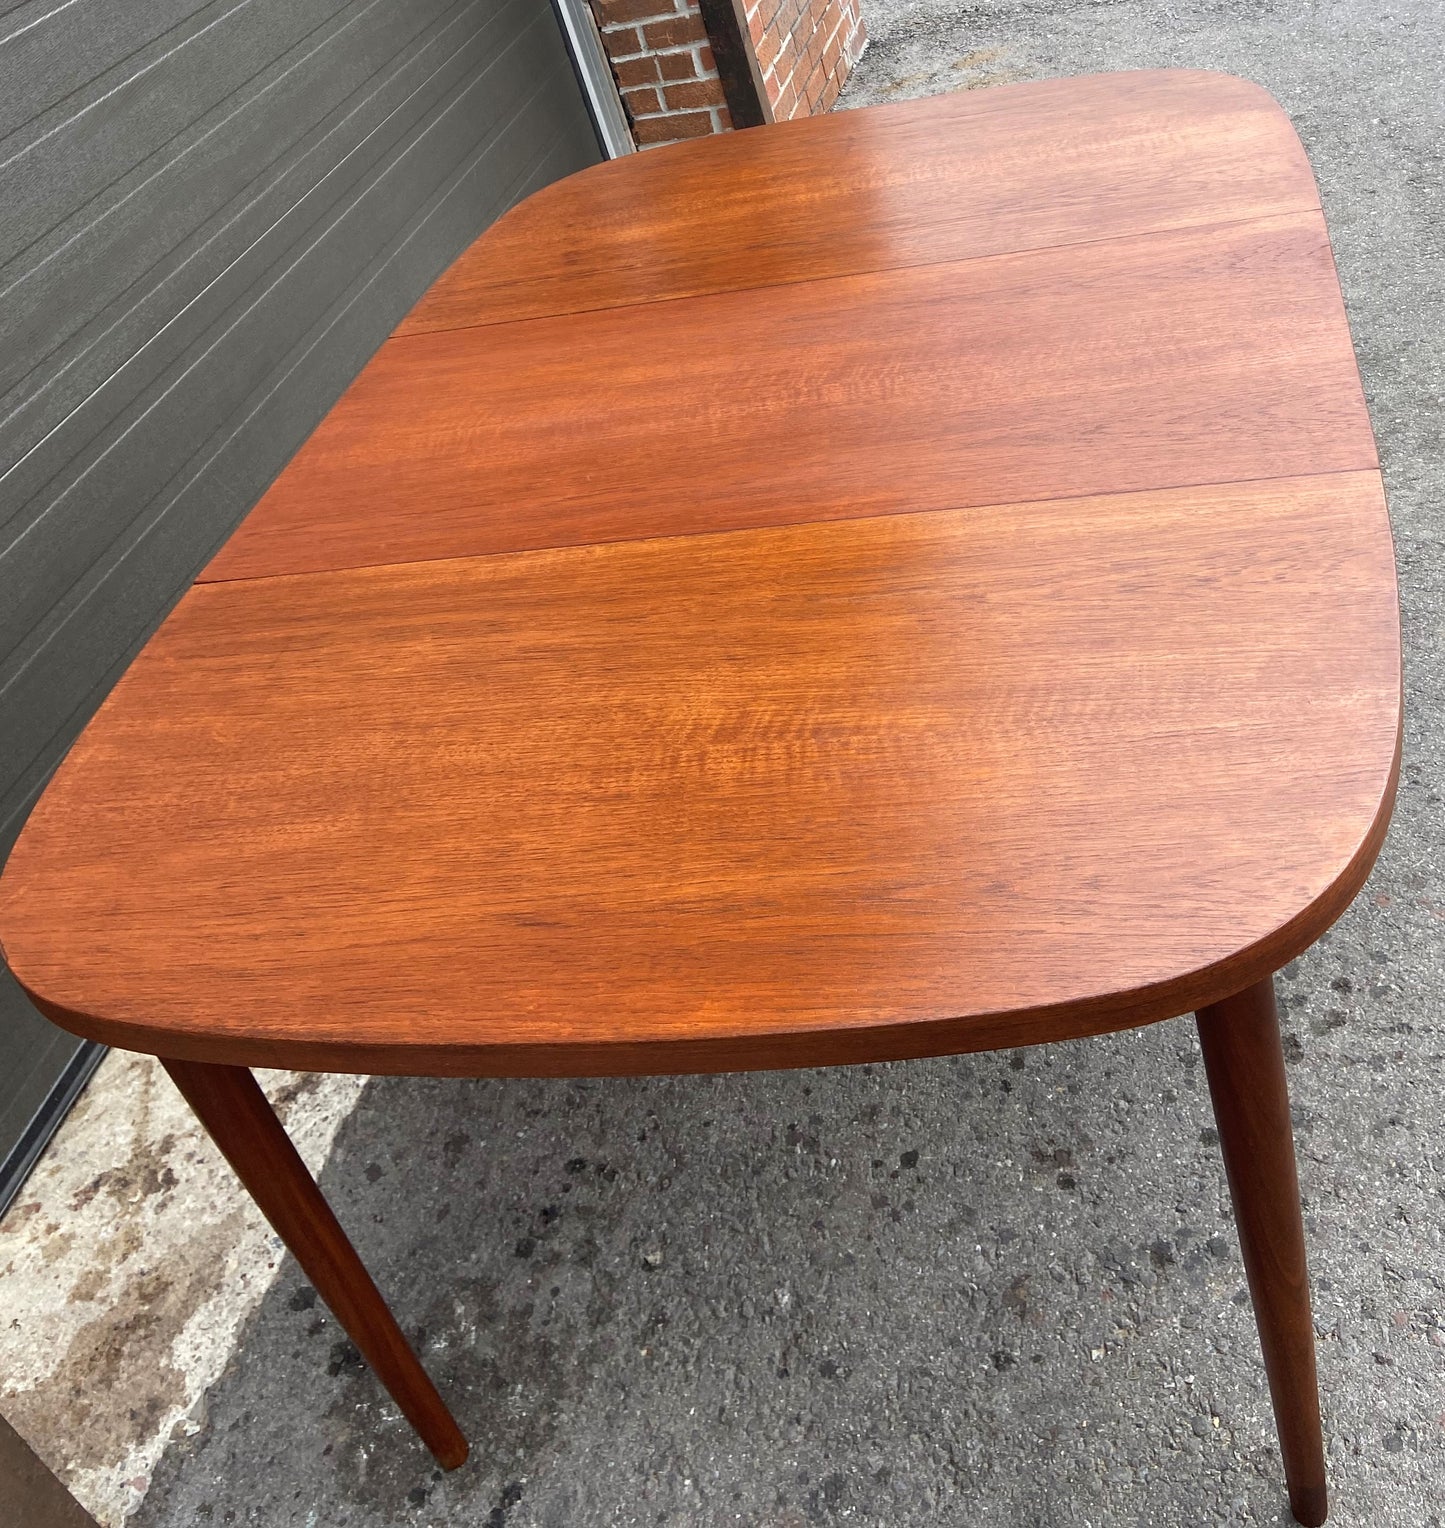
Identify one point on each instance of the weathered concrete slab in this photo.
(127, 1266)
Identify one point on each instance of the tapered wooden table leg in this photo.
(1245, 1066)
(232, 1107)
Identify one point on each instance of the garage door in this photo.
(212, 215)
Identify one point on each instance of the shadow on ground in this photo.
(999, 1289)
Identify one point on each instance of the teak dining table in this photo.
(905, 582)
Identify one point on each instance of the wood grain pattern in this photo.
(948, 178)
(1245, 1065)
(1211, 355)
(886, 787)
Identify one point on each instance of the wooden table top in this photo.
(907, 581)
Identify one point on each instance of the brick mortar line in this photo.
(647, 21)
(681, 47)
(676, 111)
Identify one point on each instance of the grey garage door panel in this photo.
(79, 301)
(155, 437)
(47, 1069)
(84, 146)
(71, 660)
(48, 53)
(30, 1052)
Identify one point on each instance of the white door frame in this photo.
(589, 57)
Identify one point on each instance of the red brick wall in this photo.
(665, 71)
(805, 49)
